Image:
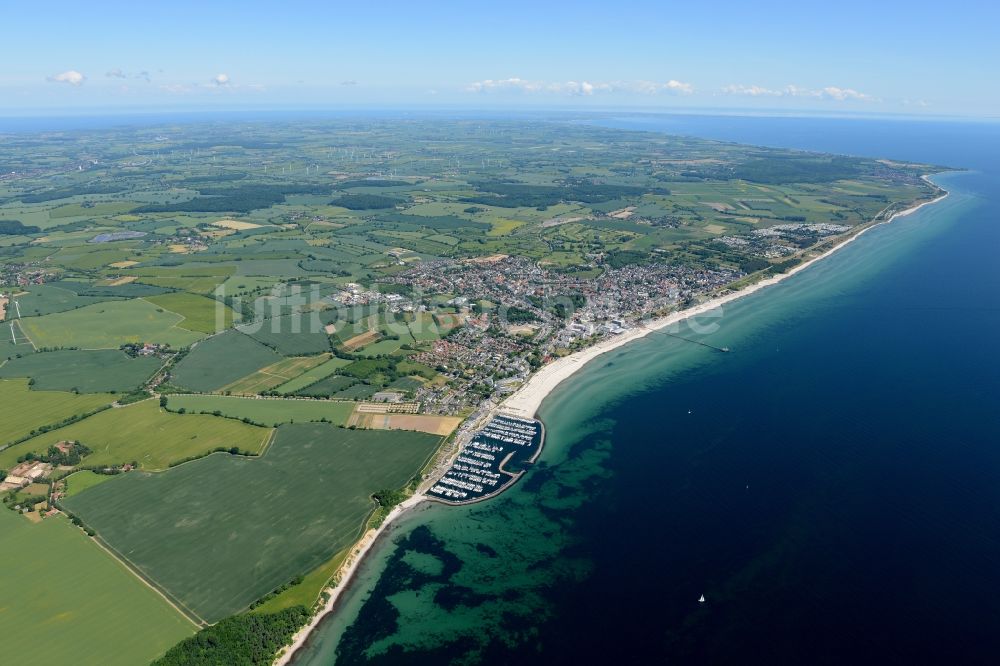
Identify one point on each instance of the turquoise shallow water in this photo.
(829, 485)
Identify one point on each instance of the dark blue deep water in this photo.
(832, 485)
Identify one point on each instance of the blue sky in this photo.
(844, 57)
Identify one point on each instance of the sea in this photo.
(828, 492)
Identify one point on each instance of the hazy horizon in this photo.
(774, 56)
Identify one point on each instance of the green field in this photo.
(407, 384)
(423, 328)
(91, 257)
(65, 601)
(144, 433)
(94, 371)
(221, 360)
(381, 348)
(109, 325)
(264, 410)
(78, 210)
(312, 376)
(281, 335)
(43, 299)
(251, 524)
(22, 410)
(200, 313)
(274, 375)
(13, 341)
(77, 482)
(199, 285)
(327, 386)
(360, 391)
(307, 592)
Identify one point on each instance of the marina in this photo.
(491, 461)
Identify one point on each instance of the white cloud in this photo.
(796, 91)
(829, 92)
(752, 91)
(504, 84)
(221, 80)
(581, 88)
(841, 94)
(653, 87)
(115, 74)
(678, 86)
(71, 76)
(575, 88)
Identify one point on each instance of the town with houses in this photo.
(511, 315)
(517, 316)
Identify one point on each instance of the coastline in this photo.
(347, 571)
(526, 401)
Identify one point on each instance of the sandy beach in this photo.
(526, 401)
(346, 571)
